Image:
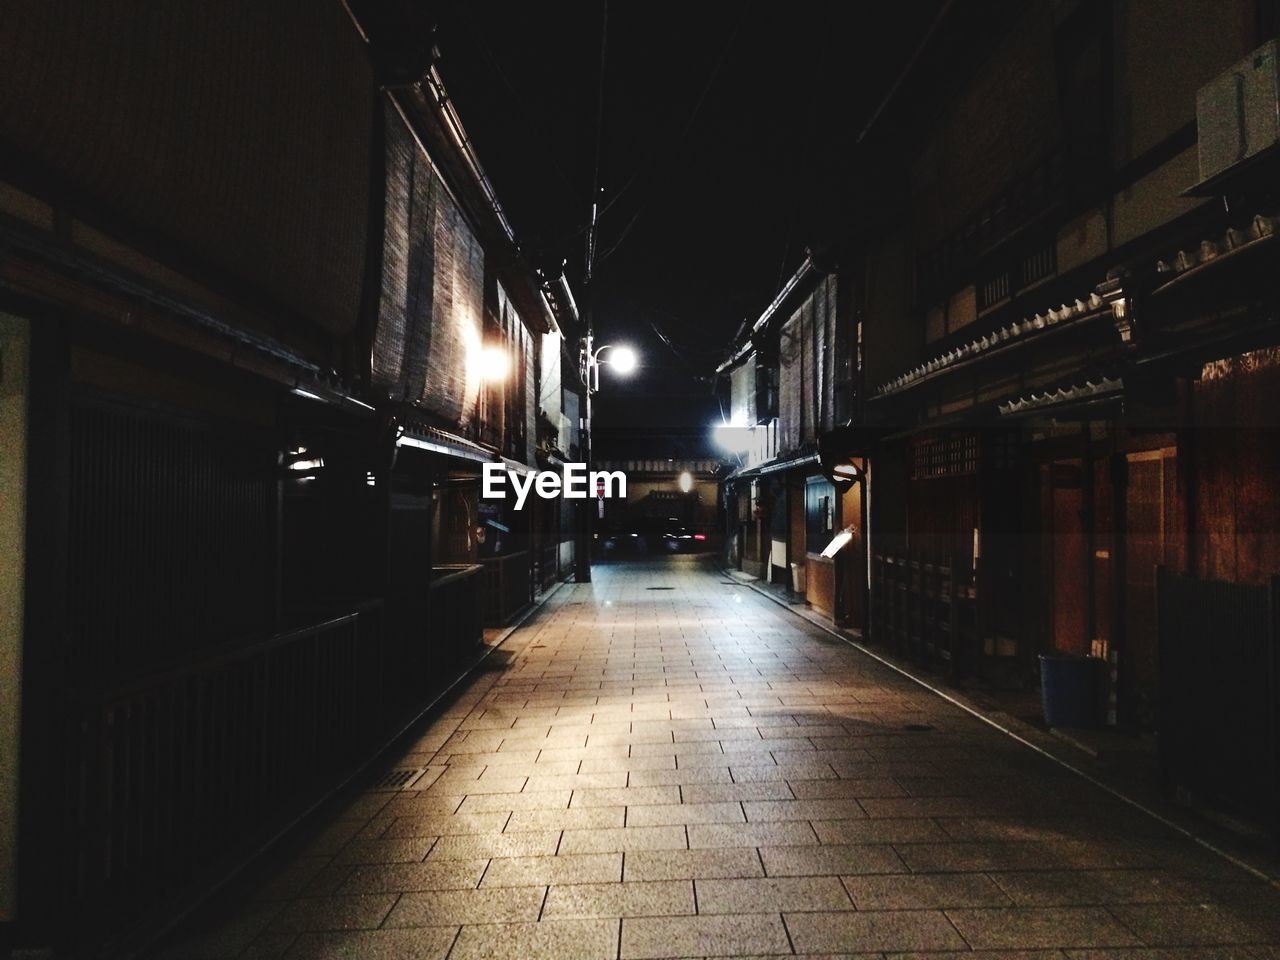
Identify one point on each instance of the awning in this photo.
(778, 465)
(434, 440)
(1000, 343)
(1070, 402)
(516, 466)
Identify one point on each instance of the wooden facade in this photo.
(245, 290)
(1060, 345)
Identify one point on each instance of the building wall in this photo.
(429, 330)
(1161, 60)
(892, 338)
(233, 139)
(1236, 445)
(15, 339)
(806, 354)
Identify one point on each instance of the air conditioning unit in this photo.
(1238, 113)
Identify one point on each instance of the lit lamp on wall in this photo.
(735, 437)
(838, 542)
(493, 364)
(686, 481)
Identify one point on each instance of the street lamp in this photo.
(623, 360)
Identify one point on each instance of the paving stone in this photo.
(722, 792)
(547, 940)
(830, 860)
(1027, 927)
(570, 868)
(398, 877)
(715, 936)
(625, 838)
(444, 826)
(660, 898)
(626, 796)
(509, 844)
(540, 800)
(684, 813)
(403, 850)
(782, 834)
(1200, 924)
(877, 831)
(577, 818)
(891, 931)
(925, 891)
(771, 895)
(1085, 887)
(430, 944)
(852, 788)
(755, 773)
(692, 864)
(453, 907)
(766, 810)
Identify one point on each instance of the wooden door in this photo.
(1150, 503)
(1068, 558)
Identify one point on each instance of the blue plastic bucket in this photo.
(1072, 690)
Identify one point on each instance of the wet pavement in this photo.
(668, 764)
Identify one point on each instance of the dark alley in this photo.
(639, 480)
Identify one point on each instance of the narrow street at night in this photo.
(669, 764)
(639, 479)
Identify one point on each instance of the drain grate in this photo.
(917, 727)
(397, 779)
(659, 588)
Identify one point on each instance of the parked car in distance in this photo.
(652, 535)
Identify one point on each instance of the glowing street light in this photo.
(686, 482)
(622, 358)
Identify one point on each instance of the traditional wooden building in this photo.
(254, 289)
(1068, 342)
(791, 386)
(1055, 326)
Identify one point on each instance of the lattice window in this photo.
(994, 290)
(1039, 264)
(945, 457)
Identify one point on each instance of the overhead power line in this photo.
(684, 134)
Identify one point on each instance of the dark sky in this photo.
(726, 129)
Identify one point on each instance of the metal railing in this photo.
(548, 570)
(508, 587)
(165, 773)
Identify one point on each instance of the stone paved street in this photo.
(671, 765)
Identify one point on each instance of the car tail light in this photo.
(699, 536)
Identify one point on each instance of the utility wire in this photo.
(684, 134)
(522, 104)
(595, 176)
